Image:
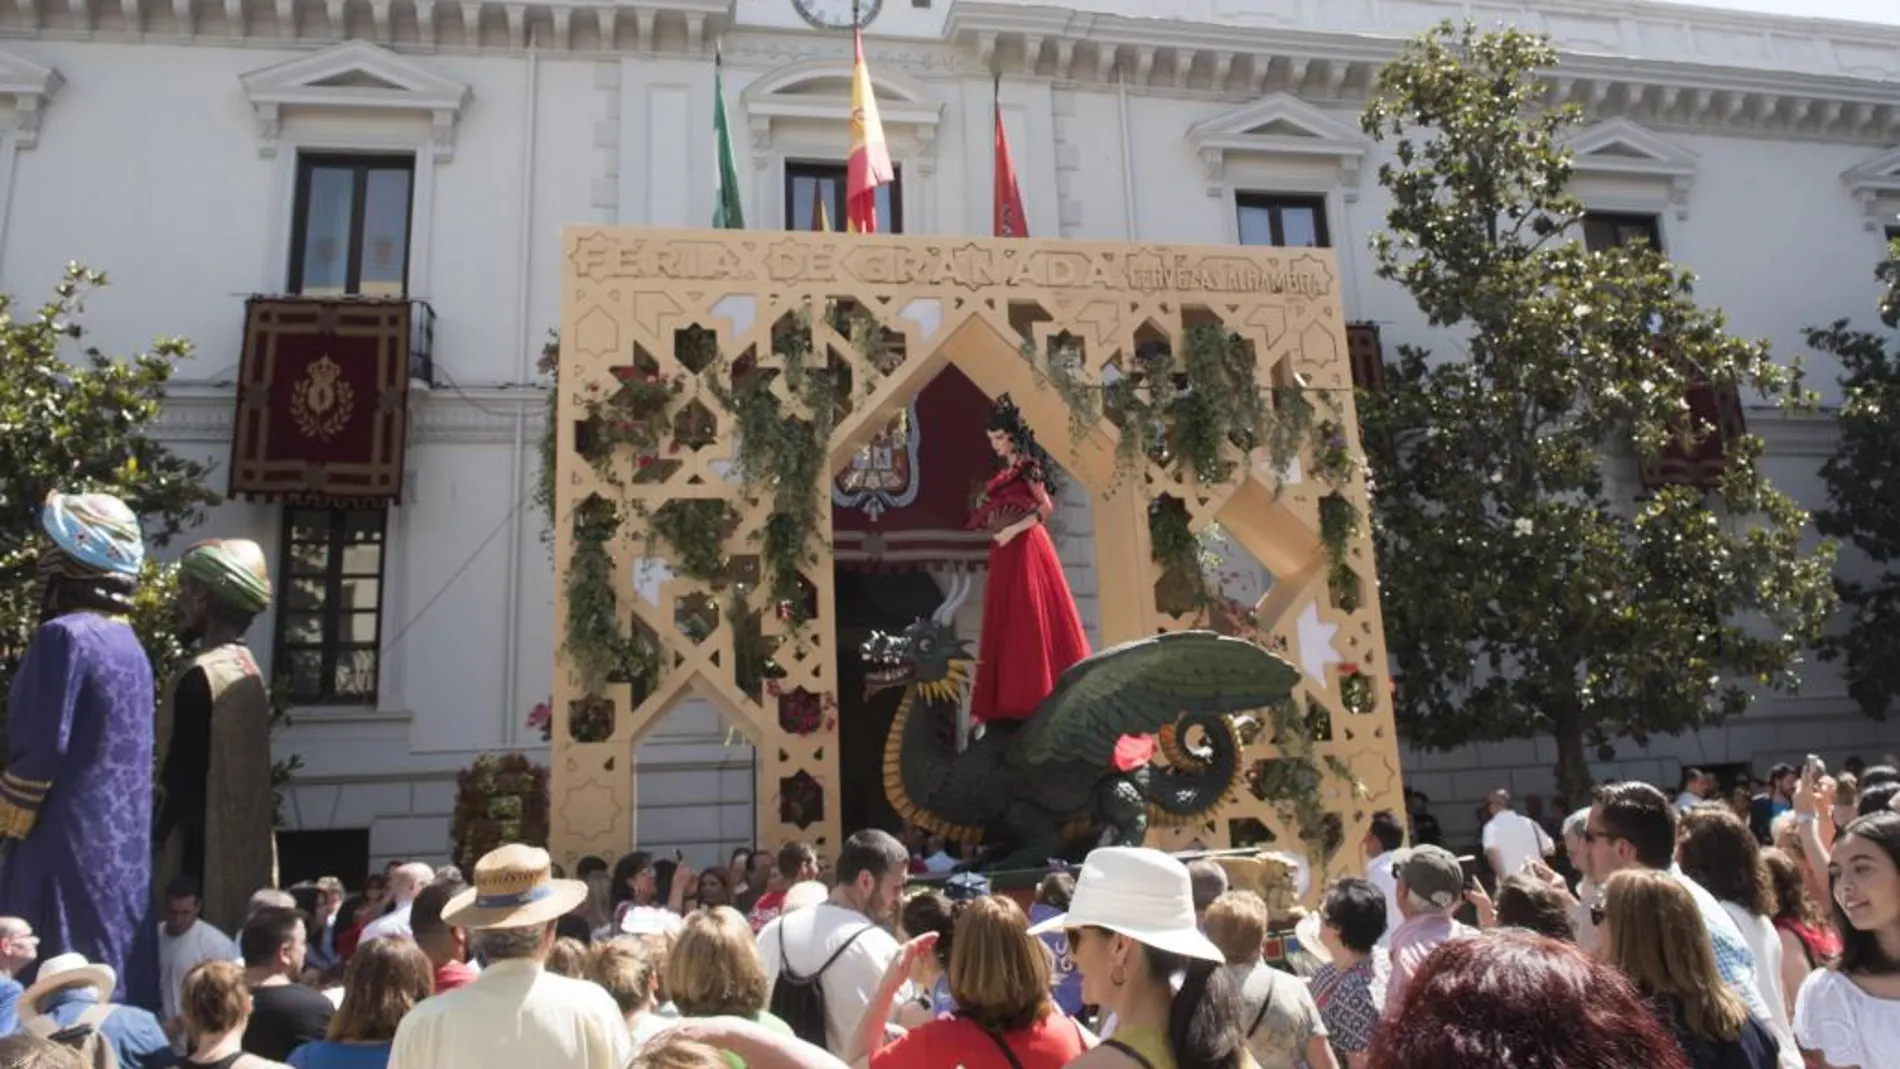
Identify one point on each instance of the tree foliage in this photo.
(82, 425)
(1527, 589)
(1863, 483)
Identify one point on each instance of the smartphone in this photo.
(1815, 768)
(1468, 864)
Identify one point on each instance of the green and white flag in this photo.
(727, 214)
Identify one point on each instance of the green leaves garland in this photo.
(696, 528)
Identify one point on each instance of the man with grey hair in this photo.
(1208, 881)
(516, 1013)
(1577, 847)
(1431, 887)
(268, 898)
(18, 949)
(405, 884)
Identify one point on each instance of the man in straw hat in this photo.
(516, 1013)
(76, 799)
(71, 1000)
(214, 737)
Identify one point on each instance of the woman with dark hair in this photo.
(1516, 998)
(1031, 631)
(385, 980)
(929, 913)
(1808, 941)
(1847, 1016)
(1352, 920)
(999, 983)
(644, 896)
(1652, 931)
(1720, 852)
(1143, 959)
(1526, 902)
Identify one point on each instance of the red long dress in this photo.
(1031, 631)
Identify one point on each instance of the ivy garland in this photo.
(696, 528)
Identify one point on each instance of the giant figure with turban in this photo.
(76, 798)
(215, 814)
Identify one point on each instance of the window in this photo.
(329, 618)
(808, 186)
(1288, 222)
(1610, 230)
(350, 233)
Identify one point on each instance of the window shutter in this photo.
(1367, 356)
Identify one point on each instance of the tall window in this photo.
(351, 225)
(810, 187)
(1610, 230)
(1288, 222)
(329, 617)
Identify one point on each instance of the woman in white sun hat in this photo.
(1131, 931)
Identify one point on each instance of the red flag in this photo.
(869, 165)
(1010, 222)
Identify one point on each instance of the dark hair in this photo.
(1780, 770)
(1056, 890)
(1518, 998)
(586, 867)
(1642, 816)
(1206, 882)
(1792, 901)
(1357, 909)
(425, 913)
(796, 855)
(183, 887)
(931, 911)
(1204, 1026)
(1535, 906)
(1690, 775)
(384, 981)
(663, 871)
(266, 933)
(1006, 417)
(873, 851)
(1720, 853)
(1860, 950)
(1387, 829)
(1875, 775)
(1875, 798)
(629, 866)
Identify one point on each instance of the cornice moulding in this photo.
(30, 86)
(1873, 181)
(1315, 135)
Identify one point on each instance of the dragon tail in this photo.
(1195, 782)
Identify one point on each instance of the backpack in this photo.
(83, 1035)
(799, 1001)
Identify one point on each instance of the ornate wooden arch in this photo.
(973, 303)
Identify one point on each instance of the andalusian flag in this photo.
(1009, 222)
(727, 214)
(870, 164)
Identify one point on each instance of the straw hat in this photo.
(1140, 893)
(514, 888)
(68, 970)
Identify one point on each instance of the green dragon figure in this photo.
(1031, 790)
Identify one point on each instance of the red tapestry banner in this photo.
(323, 401)
(1698, 460)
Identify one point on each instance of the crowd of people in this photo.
(1642, 931)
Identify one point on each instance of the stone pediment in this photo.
(31, 86)
(1873, 181)
(355, 76)
(820, 90)
(1280, 125)
(1620, 147)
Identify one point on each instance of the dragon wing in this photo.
(1139, 687)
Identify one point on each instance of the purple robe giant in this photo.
(78, 793)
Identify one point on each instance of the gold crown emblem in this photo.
(322, 401)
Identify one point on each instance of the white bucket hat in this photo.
(68, 970)
(1140, 893)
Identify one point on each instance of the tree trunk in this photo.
(1573, 764)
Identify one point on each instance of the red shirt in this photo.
(453, 974)
(955, 1043)
(766, 909)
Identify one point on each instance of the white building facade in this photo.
(201, 152)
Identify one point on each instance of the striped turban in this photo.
(233, 570)
(96, 531)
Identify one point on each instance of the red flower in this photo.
(1348, 669)
(674, 447)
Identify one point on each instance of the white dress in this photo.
(1846, 1026)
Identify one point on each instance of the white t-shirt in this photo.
(1844, 1025)
(394, 923)
(1517, 839)
(1379, 874)
(1759, 932)
(178, 953)
(1688, 800)
(809, 937)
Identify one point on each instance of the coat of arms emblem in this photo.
(322, 401)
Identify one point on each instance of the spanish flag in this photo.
(870, 163)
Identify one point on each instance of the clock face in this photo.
(836, 14)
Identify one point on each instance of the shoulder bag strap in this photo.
(1130, 1051)
(838, 953)
(1265, 1005)
(1002, 1045)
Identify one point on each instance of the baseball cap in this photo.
(1432, 873)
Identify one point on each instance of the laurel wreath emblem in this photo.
(322, 401)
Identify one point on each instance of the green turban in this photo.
(233, 570)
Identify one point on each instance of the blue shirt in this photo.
(1067, 992)
(324, 1054)
(135, 1034)
(10, 992)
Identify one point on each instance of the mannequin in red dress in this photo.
(1031, 631)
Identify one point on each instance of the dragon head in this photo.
(927, 654)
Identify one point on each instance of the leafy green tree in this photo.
(1863, 482)
(82, 425)
(1524, 597)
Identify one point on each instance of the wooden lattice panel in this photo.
(971, 302)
